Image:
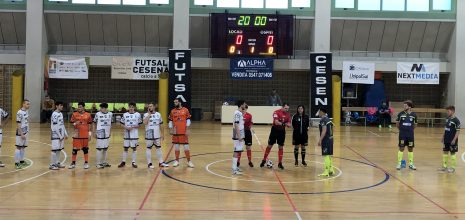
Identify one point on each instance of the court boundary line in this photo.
(404, 183)
(286, 193)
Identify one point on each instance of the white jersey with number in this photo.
(22, 117)
(58, 126)
(152, 128)
(103, 121)
(3, 114)
(238, 119)
(131, 120)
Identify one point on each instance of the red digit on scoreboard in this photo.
(269, 40)
(239, 39)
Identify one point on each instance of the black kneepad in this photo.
(75, 151)
(85, 150)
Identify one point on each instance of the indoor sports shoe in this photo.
(238, 164)
(237, 172)
(390, 126)
(18, 166)
(250, 164)
(412, 167)
(451, 170)
(324, 174)
(2, 164)
(122, 164)
(86, 166)
(163, 164)
(59, 165)
(262, 164)
(296, 164)
(190, 164)
(280, 166)
(443, 169)
(331, 171)
(134, 165)
(100, 166)
(398, 167)
(304, 163)
(53, 167)
(175, 163)
(72, 166)
(105, 164)
(379, 126)
(150, 166)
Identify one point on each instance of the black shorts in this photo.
(248, 137)
(406, 142)
(450, 148)
(277, 136)
(327, 147)
(300, 139)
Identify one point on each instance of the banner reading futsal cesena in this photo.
(139, 68)
(67, 68)
(321, 83)
(418, 73)
(251, 68)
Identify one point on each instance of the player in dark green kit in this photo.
(406, 123)
(326, 142)
(450, 140)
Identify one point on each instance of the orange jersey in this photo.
(82, 127)
(179, 119)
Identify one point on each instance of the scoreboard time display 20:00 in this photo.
(251, 35)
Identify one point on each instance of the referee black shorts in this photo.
(277, 136)
(300, 139)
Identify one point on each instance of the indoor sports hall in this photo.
(232, 109)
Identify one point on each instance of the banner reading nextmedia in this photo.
(321, 83)
(358, 72)
(139, 68)
(251, 68)
(67, 68)
(180, 76)
(418, 73)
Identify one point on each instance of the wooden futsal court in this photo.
(366, 185)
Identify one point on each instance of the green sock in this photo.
(331, 168)
(445, 159)
(453, 161)
(327, 163)
(400, 155)
(410, 157)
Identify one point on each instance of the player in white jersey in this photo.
(130, 122)
(153, 135)
(101, 128)
(58, 136)
(22, 130)
(3, 116)
(238, 135)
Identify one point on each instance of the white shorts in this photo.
(1, 138)
(22, 142)
(102, 143)
(151, 143)
(130, 143)
(238, 146)
(58, 144)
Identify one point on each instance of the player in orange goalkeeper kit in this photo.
(179, 122)
(81, 121)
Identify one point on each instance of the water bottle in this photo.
(403, 164)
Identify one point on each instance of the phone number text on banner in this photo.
(251, 68)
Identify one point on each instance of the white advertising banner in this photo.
(138, 68)
(358, 72)
(67, 68)
(418, 73)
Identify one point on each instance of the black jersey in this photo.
(407, 122)
(452, 126)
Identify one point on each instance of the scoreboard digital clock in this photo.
(251, 35)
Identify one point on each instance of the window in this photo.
(203, 2)
(394, 5)
(161, 2)
(417, 5)
(344, 4)
(301, 3)
(277, 3)
(251, 3)
(134, 2)
(227, 3)
(57, 0)
(373, 5)
(109, 2)
(84, 1)
(445, 5)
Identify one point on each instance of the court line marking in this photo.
(463, 156)
(398, 179)
(266, 181)
(289, 199)
(17, 170)
(374, 133)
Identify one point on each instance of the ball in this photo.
(269, 164)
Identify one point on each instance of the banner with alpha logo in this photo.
(321, 83)
(67, 68)
(418, 73)
(180, 76)
(138, 68)
(251, 68)
(358, 72)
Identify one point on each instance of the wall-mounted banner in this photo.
(139, 68)
(180, 76)
(67, 68)
(251, 68)
(321, 95)
(358, 72)
(418, 73)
